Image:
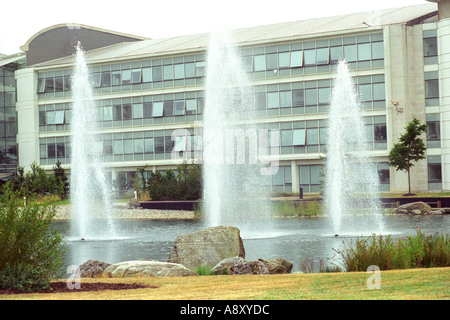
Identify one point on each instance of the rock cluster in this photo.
(417, 208)
(220, 248)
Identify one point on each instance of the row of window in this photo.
(430, 46)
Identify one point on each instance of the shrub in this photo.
(418, 251)
(30, 252)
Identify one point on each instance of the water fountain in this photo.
(90, 192)
(349, 173)
(231, 171)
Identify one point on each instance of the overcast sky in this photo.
(159, 19)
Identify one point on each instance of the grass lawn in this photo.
(424, 284)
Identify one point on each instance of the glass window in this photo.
(432, 88)
(59, 84)
(190, 70)
(191, 106)
(159, 145)
(315, 174)
(299, 137)
(433, 130)
(179, 107)
(434, 173)
(377, 50)
(296, 59)
(259, 63)
(138, 145)
(60, 150)
(157, 109)
(157, 73)
(106, 79)
(285, 99)
(50, 117)
(148, 109)
(363, 51)
(200, 69)
(118, 147)
(378, 92)
(260, 99)
(380, 132)
(127, 115)
(168, 108)
(107, 113)
(127, 146)
(286, 138)
(311, 97)
(365, 92)
(324, 96)
(96, 80)
(323, 56)
(49, 85)
(116, 78)
(323, 135)
(107, 147)
(180, 143)
(51, 152)
(350, 53)
(117, 115)
(284, 60)
(42, 120)
(430, 47)
(168, 72)
(136, 75)
(336, 54)
(272, 61)
(168, 144)
(310, 57)
(298, 98)
(41, 86)
(138, 111)
(312, 136)
(273, 100)
(383, 173)
(148, 145)
(179, 71)
(304, 175)
(126, 77)
(59, 117)
(147, 75)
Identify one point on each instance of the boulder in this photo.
(415, 208)
(277, 266)
(250, 267)
(207, 247)
(146, 268)
(93, 268)
(134, 203)
(224, 266)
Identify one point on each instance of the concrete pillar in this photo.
(295, 177)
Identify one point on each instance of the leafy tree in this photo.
(61, 181)
(409, 149)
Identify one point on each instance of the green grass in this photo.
(303, 209)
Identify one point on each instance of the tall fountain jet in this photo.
(90, 191)
(350, 174)
(231, 169)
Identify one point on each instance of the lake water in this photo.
(293, 239)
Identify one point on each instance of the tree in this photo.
(409, 149)
(62, 184)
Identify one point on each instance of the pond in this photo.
(294, 239)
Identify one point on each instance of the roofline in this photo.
(4, 60)
(25, 46)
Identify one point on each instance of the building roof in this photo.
(279, 32)
(4, 60)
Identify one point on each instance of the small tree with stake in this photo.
(409, 149)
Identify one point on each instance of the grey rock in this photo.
(146, 268)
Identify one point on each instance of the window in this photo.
(107, 113)
(136, 76)
(148, 109)
(180, 143)
(310, 57)
(106, 79)
(378, 91)
(138, 145)
(380, 132)
(50, 117)
(159, 145)
(60, 150)
(312, 136)
(51, 152)
(200, 69)
(433, 130)
(179, 71)
(59, 84)
(311, 97)
(189, 70)
(350, 53)
(118, 147)
(157, 74)
(126, 77)
(363, 51)
(168, 72)
(298, 98)
(137, 111)
(273, 100)
(179, 107)
(285, 99)
(147, 75)
(168, 108)
(59, 117)
(42, 119)
(41, 86)
(116, 75)
(191, 106)
(296, 59)
(272, 61)
(336, 54)
(117, 115)
(434, 169)
(377, 50)
(260, 99)
(127, 115)
(96, 80)
(107, 147)
(430, 47)
(157, 109)
(324, 96)
(284, 60)
(259, 63)
(432, 88)
(365, 92)
(383, 173)
(323, 56)
(299, 137)
(286, 138)
(148, 145)
(49, 85)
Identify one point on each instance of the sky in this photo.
(168, 18)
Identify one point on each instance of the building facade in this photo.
(146, 89)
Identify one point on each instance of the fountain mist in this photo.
(232, 188)
(89, 188)
(349, 171)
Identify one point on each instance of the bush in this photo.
(30, 252)
(419, 251)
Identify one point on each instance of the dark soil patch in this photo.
(61, 286)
